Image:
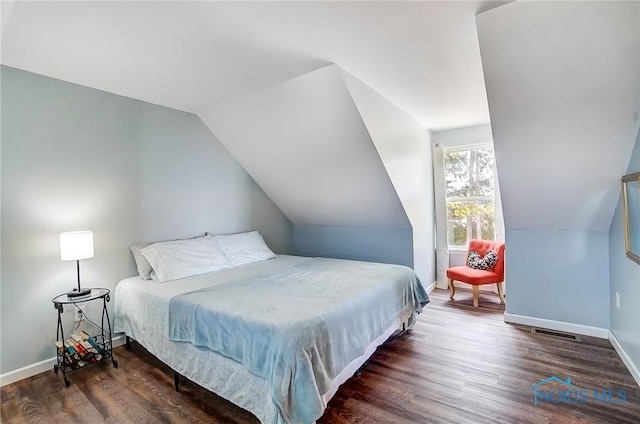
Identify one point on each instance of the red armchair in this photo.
(477, 277)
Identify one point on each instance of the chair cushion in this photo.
(473, 276)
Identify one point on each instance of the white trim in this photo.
(633, 369)
(567, 327)
(431, 286)
(483, 145)
(40, 367)
(440, 209)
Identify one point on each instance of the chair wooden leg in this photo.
(452, 289)
(500, 293)
(475, 289)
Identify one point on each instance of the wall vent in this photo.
(559, 334)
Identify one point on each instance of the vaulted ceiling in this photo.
(562, 78)
(563, 81)
(193, 56)
(304, 143)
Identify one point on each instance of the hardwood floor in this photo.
(458, 365)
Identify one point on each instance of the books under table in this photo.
(81, 349)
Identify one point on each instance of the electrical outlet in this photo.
(78, 313)
(617, 300)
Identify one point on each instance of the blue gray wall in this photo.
(559, 275)
(78, 158)
(561, 143)
(373, 244)
(624, 276)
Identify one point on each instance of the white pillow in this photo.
(244, 248)
(143, 265)
(176, 259)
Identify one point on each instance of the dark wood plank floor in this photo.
(458, 365)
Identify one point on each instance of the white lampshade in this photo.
(76, 245)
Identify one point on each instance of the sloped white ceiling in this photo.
(562, 82)
(197, 55)
(304, 143)
(404, 146)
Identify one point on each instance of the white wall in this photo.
(306, 146)
(304, 143)
(404, 146)
(78, 158)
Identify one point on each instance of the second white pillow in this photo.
(172, 260)
(244, 248)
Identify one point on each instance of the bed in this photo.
(275, 337)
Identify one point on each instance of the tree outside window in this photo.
(470, 193)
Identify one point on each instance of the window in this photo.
(470, 193)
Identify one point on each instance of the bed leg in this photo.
(127, 341)
(176, 381)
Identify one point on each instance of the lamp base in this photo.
(76, 294)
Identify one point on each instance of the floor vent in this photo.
(558, 334)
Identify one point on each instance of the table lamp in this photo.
(76, 245)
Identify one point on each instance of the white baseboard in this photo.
(567, 327)
(443, 286)
(39, 367)
(431, 287)
(633, 369)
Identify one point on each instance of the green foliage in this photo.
(469, 173)
(467, 220)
